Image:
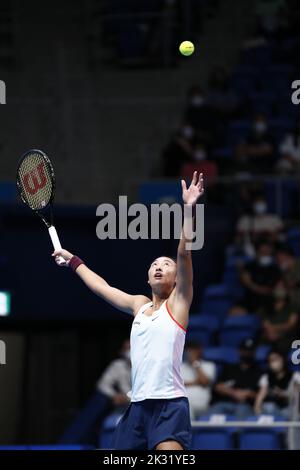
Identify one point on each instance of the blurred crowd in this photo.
(243, 120)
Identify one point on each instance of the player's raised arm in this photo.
(121, 300)
(181, 298)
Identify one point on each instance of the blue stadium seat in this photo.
(221, 355)
(201, 336)
(216, 291)
(250, 321)
(238, 131)
(234, 336)
(107, 430)
(213, 438)
(237, 328)
(293, 239)
(261, 438)
(199, 321)
(61, 447)
(261, 354)
(217, 307)
(156, 192)
(201, 328)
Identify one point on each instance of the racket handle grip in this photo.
(56, 243)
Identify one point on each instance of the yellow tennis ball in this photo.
(186, 48)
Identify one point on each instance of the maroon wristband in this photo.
(75, 262)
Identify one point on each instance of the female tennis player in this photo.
(158, 415)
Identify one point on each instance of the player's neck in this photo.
(157, 301)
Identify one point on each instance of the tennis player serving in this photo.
(158, 415)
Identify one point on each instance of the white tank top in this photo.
(157, 343)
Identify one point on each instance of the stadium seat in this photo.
(213, 438)
(199, 321)
(221, 355)
(261, 354)
(216, 291)
(217, 307)
(261, 438)
(201, 336)
(293, 239)
(237, 328)
(107, 430)
(201, 328)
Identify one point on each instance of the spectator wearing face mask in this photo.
(280, 319)
(290, 271)
(179, 151)
(115, 382)
(201, 164)
(198, 376)
(256, 153)
(289, 150)
(276, 386)
(259, 277)
(200, 114)
(259, 224)
(237, 386)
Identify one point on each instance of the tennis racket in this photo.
(36, 185)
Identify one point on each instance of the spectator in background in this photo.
(237, 386)
(259, 277)
(280, 319)
(179, 151)
(200, 114)
(222, 99)
(115, 382)
(256, 153)
(260, 223)
(201, 163)
(198, 376)
(290, 269)
(275, 387)
(289, 150)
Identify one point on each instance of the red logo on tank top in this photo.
(35, 179)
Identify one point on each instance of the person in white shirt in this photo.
(115, 381)
(289, 150)
(199, 376)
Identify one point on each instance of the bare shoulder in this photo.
(139, 301)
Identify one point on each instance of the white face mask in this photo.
(260, 127)
(197, 100)
(187, 131)
(276, 366)
(260, 207)
(265, 260)
(200, 155)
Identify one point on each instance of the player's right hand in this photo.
(66, 255)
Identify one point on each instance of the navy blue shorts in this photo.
(147, 423)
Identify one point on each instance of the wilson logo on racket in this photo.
(35, 179)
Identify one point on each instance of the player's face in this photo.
(162, 272)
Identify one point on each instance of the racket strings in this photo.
(35, 181)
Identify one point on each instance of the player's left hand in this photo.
(194, 192)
